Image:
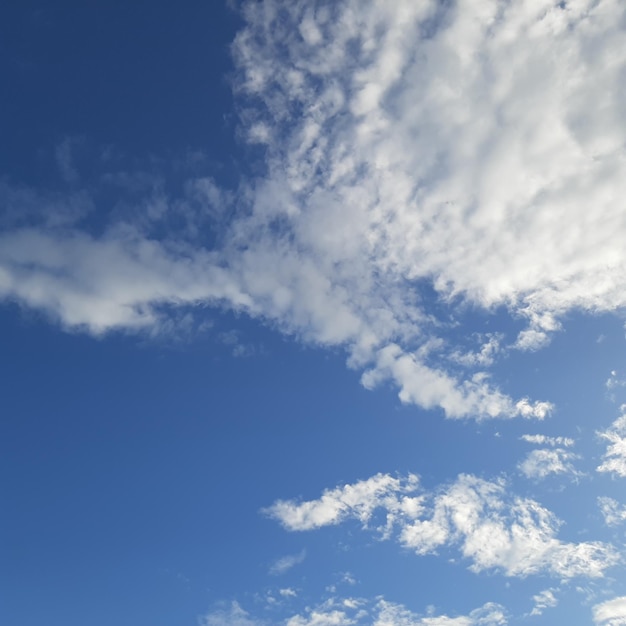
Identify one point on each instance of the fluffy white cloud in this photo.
(491, 528)
(358, 500)
(418, 155)
(610, 613)
(543, 462)
(615, 455)
(116, 281)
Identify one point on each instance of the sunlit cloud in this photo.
(418, 157)
(610, 613)
(491, 528)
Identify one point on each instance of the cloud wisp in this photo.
(285, 563)
(544, 600)
(615, 456)
(613, 512)
(493, 530)
(419, 157)
(541, 463)
(338, 611)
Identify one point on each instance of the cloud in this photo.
(233, 616)
(420, 159)
(391, 614)
(613, 513)
(239, 348)
(491, 528)
(614, 381)
(541, 463)
(65, 160)
(358, 500)
(483, 357)
(119, 280)
(352, 611)
(544, 600)
(544, 440)
(610, 613)
(615, 455)
(285, 563)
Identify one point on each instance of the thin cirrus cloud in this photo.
(285, 563)
(417, 155)
(493, 530)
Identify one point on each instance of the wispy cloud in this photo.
(541, 463)
(234, 615)
(614, 381)
(613, 512)
(337, 611)
(285, 563)
(491, 528)
(544, 600)
(545, 440)
(65, 160)
(615, 455)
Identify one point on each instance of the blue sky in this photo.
(312, 313)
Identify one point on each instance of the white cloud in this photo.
(613, 513)
(610, 613)
(358, 500)
(614, 381)
(351, 611)
(543, 462)
(233, 616)
(285, 563)
(544, 600)
(491, 528)
(117, 281)
(331, 617)
(418, 156)
(544, 440)
(615, 455)
(484, 357)
(391, 614)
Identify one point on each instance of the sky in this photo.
(313, 313)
